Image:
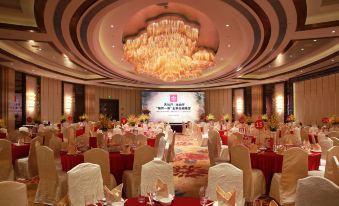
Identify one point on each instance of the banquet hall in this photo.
(178, 102)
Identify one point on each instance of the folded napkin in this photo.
(161, 188)
(253, 148)
(225, 198)
(113, 195)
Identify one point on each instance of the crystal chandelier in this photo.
(168, 50)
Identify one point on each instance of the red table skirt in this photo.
(151, 142)
(2, 135)
(223, 137)
(270, 163)
(178, 201)
(19, 151)
(118, 163)
(80, 132)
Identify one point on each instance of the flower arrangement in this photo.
(2, 123)
(36, 120)
(83, 118)
(63, 119)
(264, 117)
(291, 118)
(104, 122)
(226, 117)
(132, 120)
(334, 120)
(273, 122)
(242, 119)
(248, 119)
(69, 118)
(143, 117)
(210, 117)
(29, 120)
(325, 120)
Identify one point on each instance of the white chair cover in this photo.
(116, 139)
(229, 178)
(154, 170)
(85, 184)
(325, 144)
(101, 157)
(132, 178)
(128, 138)
(217, 153)
(333, 134)
(254, 181)
(141, 140)
(13, 194)
(335, 163)
(117, 131)
(14, 136)
(315, 191)
(335, 141)
(52, 183)
(55, 144)
(27, 167)
(171, 150)
(6, 168)
(330, 167)
(161, 148)
(295, 166)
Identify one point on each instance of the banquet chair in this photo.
(82, 141)
(334, 134)
(27, 167)
(229, 178)
(171, 150)
(335, 141)
(254, 180)
(273, 203)
(330, 167)
(217, 153)
(141, 140)
(157, 139)
(325, 144)
(52, 182)
(315, 191)
(335, 163)
(85, 184)
(283, 185)
(184, 128)
(116, 139)
(6, 169)
(55, 144)
(101, 157)
(131, 178)
(13, 193)
(128, 138)
(304, 133)
(14, 136)
(161, 150)
(154, 170)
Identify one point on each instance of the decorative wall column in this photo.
(7, 89)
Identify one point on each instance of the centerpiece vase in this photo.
(273, 135)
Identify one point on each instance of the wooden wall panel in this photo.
(316, 98)
(50, 99)
(257, 101)
(218, 102)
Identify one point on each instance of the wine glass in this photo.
(202, 195)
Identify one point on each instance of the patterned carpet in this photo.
(190, 171)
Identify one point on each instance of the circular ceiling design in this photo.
(253, 42)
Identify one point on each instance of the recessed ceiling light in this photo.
(65, 56)
(332, 60)
(333, 31)
(291, 55)
(31, 41)
(221, 59)
(39, 49)
(31, 30)
(113, 46)
(314, 40)
(228, 45)
(12, 63)
(269, 66)
(301, 70)
(302, 49)
(239, 69)
(33, 70)
(112, 26)
(239, 76)
(227, 25)
(279, 56)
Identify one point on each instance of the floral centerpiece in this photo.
(210, 117)
(248, 119)
(29, 120)
(290, 118)
(2, 123)
(63, 119)
(83, 118)
(273, 122)
(104, 122)
(69, 118)
(36, 120)
(264, 117)
(132, 120)
(226, 117)
(325, 120)
(143, 117)
(334, 120)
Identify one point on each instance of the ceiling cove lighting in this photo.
(168, 50)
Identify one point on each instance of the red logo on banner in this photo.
(259, 124)
(173, 98)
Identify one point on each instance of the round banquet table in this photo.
(118, 163)
(271, 162)
(19, 151)
(223, 137)
(93, 142)
(178, 201)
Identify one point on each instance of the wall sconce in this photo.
(68, 104)
(239, 106)
(279, 104)
(30, 101)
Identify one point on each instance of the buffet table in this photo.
(271, 162)
(118, 163)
